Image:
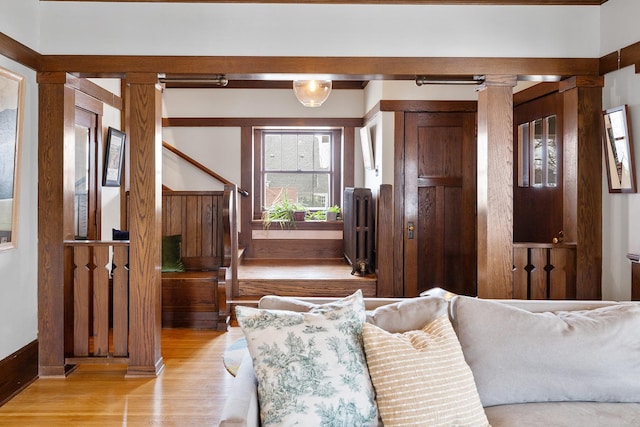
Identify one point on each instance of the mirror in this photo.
(618, 150)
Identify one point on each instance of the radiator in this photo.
(359, 235)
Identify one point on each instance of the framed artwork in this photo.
(367, 148)
(11, 100)
(113, 160)
(618, 150)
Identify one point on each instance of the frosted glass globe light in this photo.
(312, 93)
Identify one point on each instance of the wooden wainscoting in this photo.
(17, 371)
(544, 271)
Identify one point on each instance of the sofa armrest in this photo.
(241, 406)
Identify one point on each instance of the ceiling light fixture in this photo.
(312, 93)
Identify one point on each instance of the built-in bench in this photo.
(196, 297)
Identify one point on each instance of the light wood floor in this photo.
(189, 392)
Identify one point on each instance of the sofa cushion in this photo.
(398, 316)
(408, 315)
(310, 366)
(517, 356)
(171, 257)
(565, 414)
(421, 378)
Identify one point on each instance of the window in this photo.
(303, 164)
(537, 153)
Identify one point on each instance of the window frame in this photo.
(335, 174)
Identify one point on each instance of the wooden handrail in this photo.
(202, 167)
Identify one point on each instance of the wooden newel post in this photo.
(495, 187)
(144, 129)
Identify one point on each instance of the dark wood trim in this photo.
(534, 92)
(246, 180)
(259, 121)
(451, 2)
(338, 68)
(18, 370)
(429, 106)
(100, 93)
(628, 55)
(18, 52)
(635, 276)
(348, 150)
(398, 204)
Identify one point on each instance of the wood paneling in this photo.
(544, 271)
(145, 144)
(56, 136)
(583, 180)
(384, 244)
(537, 210)
(635, 276)
(18, 370)
(440, 199)
(495, 187)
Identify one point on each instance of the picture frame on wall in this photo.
(618, 150)
(12, 87)
(114, 158)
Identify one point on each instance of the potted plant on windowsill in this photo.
(284, 212)
(332, 213)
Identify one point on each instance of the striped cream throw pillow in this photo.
(421, 377)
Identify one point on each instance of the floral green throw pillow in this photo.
(310, 366)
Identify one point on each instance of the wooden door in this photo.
(87, 175)
(538, 202)
(440, 202)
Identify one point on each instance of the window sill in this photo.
(324, 230)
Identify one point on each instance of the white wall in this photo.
(19, 266)
(20, 20)
(219, 148)
(620, 212)
(318, 30)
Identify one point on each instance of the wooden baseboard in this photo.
(17, 371)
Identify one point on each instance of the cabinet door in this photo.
(440, 203)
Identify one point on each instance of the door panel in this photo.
(440, 200)
(538, 210)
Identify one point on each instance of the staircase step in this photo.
(322, 278)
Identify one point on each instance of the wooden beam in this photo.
(339, 68)
(18, 52)
(259, 121)
(495, 187)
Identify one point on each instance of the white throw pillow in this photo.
(517, 356)
(310, 366)
(421, 378)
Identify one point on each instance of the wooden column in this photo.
(144, 131)
(56, 165)
(495, 187)
(582, 224)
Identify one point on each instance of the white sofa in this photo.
(535, 363)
